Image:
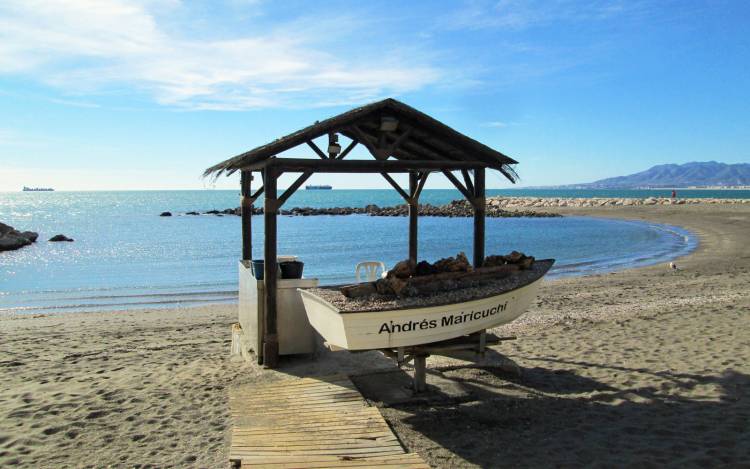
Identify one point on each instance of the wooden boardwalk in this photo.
(314, 423)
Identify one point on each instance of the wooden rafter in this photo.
(346, 151)
(422, 180)
(364, 139)
(256, 194)
(301, 165)
(291, 189)
(469, 196)
(467, 180)
(317, 150)
(396, 186)
(399, 140)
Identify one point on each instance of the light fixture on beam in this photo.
(388, 123)
(333, 145)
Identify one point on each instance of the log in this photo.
(359, 289)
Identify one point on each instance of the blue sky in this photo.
(145, 94)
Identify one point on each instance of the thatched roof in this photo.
(417, 138)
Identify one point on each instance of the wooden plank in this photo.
(326, 425)
(353, 435)
(311, 423)
(336, 380)
(311, 400)
(330, 426)
(288, 445)
(321, 415)
(348, 464)
(292, 389)
(328, 458)
(307, 391)
(410, 460)
(237, 453)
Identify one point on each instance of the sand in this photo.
(644, 367)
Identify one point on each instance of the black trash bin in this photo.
(291, 269)
(258, 266)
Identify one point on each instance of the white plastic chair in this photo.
(370, 268)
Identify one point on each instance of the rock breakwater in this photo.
(537, 202)
(456, 208)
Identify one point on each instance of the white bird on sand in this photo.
(673, 266)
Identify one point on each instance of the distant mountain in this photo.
(709, 173)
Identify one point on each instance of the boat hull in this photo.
(415, 326)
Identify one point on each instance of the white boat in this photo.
(368, 330)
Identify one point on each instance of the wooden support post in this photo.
(246, 208)
(270, 335)
(479, 212)
(420, 373)
(413, 215)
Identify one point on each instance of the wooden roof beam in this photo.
(302, 165)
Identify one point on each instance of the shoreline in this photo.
(646, 365)
(658, 254)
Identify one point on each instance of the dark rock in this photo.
(30, 235)
(12, 239)
(192, 213)
(60, 237)
(165, 214)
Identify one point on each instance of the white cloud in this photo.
(522, 14)
(495, 124)
(101, 46)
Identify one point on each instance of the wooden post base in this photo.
(270, 354)
(420, 373)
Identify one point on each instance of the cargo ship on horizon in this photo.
(323, 187)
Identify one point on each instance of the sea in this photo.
(125, 256)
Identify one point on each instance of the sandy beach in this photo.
(646, 367)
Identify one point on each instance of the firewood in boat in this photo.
(514, 257)
(426, 284)
(449, 264)
(359, 289)
(403, 269)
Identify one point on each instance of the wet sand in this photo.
(641, 367)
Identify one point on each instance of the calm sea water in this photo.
(126, 256)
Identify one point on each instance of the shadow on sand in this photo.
(553, 416)
(558, 418)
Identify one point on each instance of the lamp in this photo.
(333, 145)
(388, 123)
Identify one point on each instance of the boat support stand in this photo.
(471, 348)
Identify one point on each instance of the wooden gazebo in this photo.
(400, 139)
